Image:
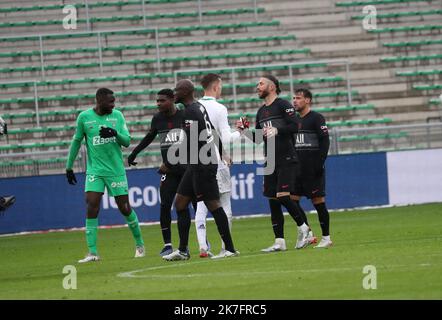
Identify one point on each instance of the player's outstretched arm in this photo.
(75, 147)
(147, 140)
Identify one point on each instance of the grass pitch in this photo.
(404, 244)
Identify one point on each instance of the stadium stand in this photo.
(360, 78)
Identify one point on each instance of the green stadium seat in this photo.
(436, 101)
(418, 72)
(406, 28)
(427, 86)
(146, 31)
(358, 122)
(373, 2)
(411, 58)
(425, 42)
(401, 14)
(381, 136)
(154, 60)
(133, 17)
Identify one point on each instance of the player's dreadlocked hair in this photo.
(166, 92)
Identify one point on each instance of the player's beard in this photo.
(263, 94)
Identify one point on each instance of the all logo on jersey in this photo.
(300, 138)
(173, 136)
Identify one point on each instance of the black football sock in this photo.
(223, 228)
(183, 228)
(293, 209)
(324, 218)
(165, 222)
(277, 218)
(304, 216)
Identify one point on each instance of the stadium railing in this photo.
(209, 42)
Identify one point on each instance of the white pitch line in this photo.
(133, 274)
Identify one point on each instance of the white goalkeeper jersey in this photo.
(218, 116)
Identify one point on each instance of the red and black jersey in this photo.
(281, 115)
(312, 140)
(169, 130)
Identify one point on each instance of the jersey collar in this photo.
(205, 98)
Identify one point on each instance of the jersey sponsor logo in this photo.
(268, 124)
(300, 139)
(173, 136)
(97, 140)
(290, 111)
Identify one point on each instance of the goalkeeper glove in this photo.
(106, 132)
(71, 176)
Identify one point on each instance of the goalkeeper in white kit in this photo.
(212, 85)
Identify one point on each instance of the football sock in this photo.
(277, 218)
(134, 226)
(183, 228)
(91, 235)
(293, 209)
(324, 218)
(302, 212)
(223, 228)
(200, 223)
(165, 222)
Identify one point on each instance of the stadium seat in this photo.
(172, 15)
(425, 42)
(401, 14)
(372, 2)
(412, 58)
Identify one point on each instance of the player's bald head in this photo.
(185, 84)
(184, 90)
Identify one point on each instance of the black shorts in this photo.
(199, 183)
(309, 185)
(168, 187)
(281, 180)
